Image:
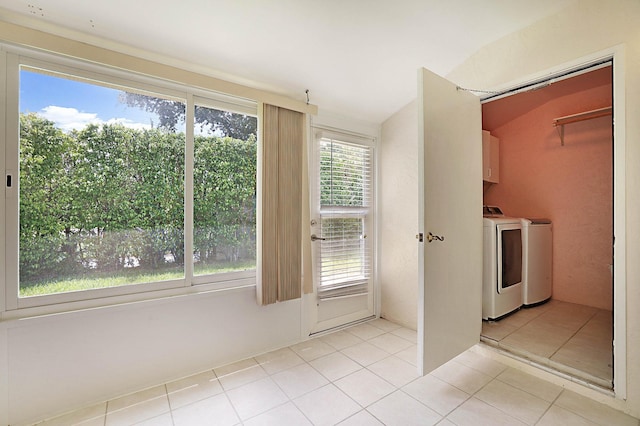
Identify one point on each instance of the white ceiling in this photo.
(357, 57)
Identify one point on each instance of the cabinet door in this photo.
(490, 157)
(486, 155)
(494, 164)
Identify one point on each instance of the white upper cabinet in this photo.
(490, 157)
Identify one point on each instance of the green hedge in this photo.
(109, 197)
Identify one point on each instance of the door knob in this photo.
(431, 237)
(314, 237)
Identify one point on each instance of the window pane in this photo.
(224, 191)
(101, 186)
(344, 174)
(344, 255)
(345, 181)
(511, 257)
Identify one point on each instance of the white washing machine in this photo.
(537, 265)
(502, 264)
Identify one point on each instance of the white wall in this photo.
(61, 362)
(398, 215)
(584, 29)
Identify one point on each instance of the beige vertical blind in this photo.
(281, 272)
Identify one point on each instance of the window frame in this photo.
(368, 213)
(11, 60)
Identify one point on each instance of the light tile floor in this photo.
(571, 338)
(362, 375)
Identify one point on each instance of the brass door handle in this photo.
(431, 237)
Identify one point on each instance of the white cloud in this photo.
(128, 123)
(68, 119)
(200, 129)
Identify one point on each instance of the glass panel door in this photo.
(343, 228)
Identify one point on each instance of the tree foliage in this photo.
(224, 197)
(343, 175)
(171, 113)
(108, 197)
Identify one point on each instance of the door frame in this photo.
(617, 55)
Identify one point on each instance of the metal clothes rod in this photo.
(574, 118)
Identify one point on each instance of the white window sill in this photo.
(154, 296)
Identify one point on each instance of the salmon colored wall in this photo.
(570, 184)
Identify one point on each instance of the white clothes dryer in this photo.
(537, 266)
(502, 264)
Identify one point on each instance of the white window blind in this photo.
(345, 182)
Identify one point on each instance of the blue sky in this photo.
(73, 104)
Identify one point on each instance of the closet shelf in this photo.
(560, 122)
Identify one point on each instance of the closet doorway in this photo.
(562, 170)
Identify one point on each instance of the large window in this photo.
(129, 187)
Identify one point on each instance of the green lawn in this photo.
(126, 277)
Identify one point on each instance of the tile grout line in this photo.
(365, 367)
(292, 400)
(549, 407)
(524, 390)
(498, 408)
(330, 382)
(549, 362)
(106, 412)
(471, 368)
(572, 336)
(517, 328)
(226, 395)
(289, 399)
(582, 416)
(469, 396)
(396, 388)
(166, 390)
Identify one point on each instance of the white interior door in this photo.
(450, 207)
